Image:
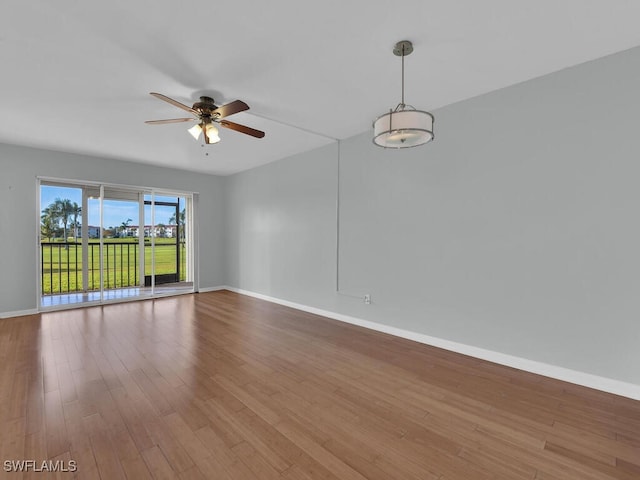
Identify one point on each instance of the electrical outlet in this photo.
(367, 299)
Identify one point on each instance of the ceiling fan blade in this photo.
(171, 120)
(174, 102)
(230, 109)
(242, 129)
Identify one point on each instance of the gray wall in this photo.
(19, 167)
(515, 231)
(281, 227)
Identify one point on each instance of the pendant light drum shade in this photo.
(404, 126)
(403, 129)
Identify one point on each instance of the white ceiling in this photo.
(76, 74)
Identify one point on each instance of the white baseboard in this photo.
(18, 313)
(212, 289)
(604, 384)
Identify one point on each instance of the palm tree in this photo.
(179, 221)
(51, 217)
(76, 211)
(124, 226)
(48, 223)
(64, 209)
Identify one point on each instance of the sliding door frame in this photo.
(190, 239)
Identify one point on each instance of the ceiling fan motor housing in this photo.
(205, 106)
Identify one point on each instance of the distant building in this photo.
(92, 231)
(161, 231)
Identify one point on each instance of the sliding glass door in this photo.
(122, 251)
(166, 262)
(101, 243)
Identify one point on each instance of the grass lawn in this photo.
(62, 267)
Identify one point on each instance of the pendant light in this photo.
(404, 126)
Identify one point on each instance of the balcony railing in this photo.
(62, 266)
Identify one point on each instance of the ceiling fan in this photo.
(206, 113)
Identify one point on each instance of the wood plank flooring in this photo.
(223, 386)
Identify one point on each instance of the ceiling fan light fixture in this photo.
(212, 133)
(195, 131)
(403, 127)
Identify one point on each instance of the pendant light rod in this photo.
(402, 49)
(402, 101)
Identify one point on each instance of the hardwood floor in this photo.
(219, 385)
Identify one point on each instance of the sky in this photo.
(115, 211)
